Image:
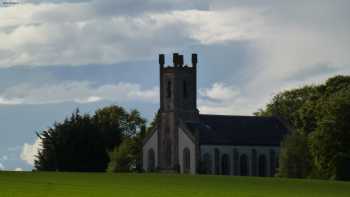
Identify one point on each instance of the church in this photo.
(186, 141)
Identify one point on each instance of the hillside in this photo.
(27, 184)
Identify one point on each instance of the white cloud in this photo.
(220, 91)
(225, 99)
(29, 151)
(18, 169)
(291, 38)
(56, 34)
(76, 91)
(4, 158)
(2, 167)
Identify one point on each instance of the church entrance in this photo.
(186, 160)
(225, 165)
(168, 153)
(244, 165)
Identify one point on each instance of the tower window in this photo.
(185, 93)
(168, 90)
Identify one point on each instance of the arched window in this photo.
(254, 162)
(262, 165)
(272, 162)
(235, 162)
(151, 160)
(244, 169)
(207, 163)
(225, 164)
(184, 88)
(168, 90)
(217, 161)
(186, 160)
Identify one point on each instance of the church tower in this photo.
(178, 102)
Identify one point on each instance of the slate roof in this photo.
(239, 130)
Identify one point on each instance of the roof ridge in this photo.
(251, 116)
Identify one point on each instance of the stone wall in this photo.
(186, 142)
(151, 143)
(270, 153)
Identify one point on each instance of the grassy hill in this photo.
(26, 184)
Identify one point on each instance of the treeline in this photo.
(318, 145)
(110, 139)
(319, 117)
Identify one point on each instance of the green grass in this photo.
(26, 184)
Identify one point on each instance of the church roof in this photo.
(239, 130)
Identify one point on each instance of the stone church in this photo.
(186, 141)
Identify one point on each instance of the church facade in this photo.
(186, 141)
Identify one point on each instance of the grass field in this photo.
(26, 184)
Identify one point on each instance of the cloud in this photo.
(76, 91)
(18, 169)
(220, 92)
(4, 158)
(289, 37)
(221, 98)
(14, 148)
(2, 166)
(58, 34)
(29, 151)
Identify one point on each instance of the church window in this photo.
(225, 164)
(168, 89)
(262, 165)
(151, 160)
(272, 162)
(235, 162)
(217, 161)
(254, 162)
(244, 169)
(186, 160)
(185, 93)
(207, 163)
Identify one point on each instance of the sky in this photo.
(59, 55)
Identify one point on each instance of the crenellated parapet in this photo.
(178, 61)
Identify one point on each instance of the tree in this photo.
(154, 122)
(289, 105)
(82, 142)
(122, 159)
(294, 159)
(330, 143)
(128, 156)
(318, 145)
(73, 145)
(111, 122)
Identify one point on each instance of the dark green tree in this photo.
(122, 158)
(318, 119)
(330, 142)
(73, 145)
(112, 123)
(82, 142)
(128, 156)
(294, 159)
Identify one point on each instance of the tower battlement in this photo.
(178, 61)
